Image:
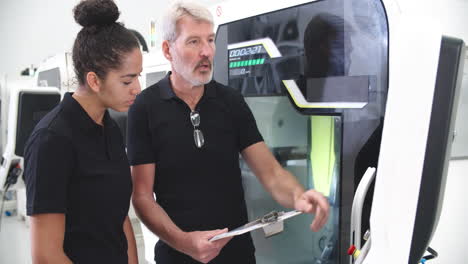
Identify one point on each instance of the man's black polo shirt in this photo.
(77, 167)
(199, 188)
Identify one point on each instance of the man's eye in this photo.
(127, 83)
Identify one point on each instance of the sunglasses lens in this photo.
(198, 137)
(195, 118)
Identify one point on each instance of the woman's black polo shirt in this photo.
(77, 167)
(199, 188)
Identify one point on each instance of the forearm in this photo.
(284, 187)
(280, 183)
(131, 242)
(156, 219)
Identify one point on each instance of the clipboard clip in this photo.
(271, 217)
(271, 223)
(275, 224)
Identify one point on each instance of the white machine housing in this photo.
(57, 71)
(8, 155)
(415, 40)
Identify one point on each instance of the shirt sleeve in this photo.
(49, 165)
(139, 147)
(248, 132)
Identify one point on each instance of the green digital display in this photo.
(244, 63)
(244, 59)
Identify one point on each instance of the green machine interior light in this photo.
(322, 152)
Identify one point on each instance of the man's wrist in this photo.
(180, 241)
(297, 194)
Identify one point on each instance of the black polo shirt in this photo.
(79, 168)
(199, 188)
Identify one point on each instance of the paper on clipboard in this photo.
(267, 220)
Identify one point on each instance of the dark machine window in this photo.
(32, 107)
(315, 77)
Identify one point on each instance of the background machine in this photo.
(319, 100)
(317, 76)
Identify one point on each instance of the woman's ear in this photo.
(93, 81)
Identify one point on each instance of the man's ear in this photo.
(166, 50)
(93, 81)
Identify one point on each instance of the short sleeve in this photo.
(139, 147)
(247, 127)
(48, 168)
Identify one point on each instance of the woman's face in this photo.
(120, 87)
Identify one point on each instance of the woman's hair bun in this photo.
(96, 12)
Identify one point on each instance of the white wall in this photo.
(31, 30)
(449, 239)
(453, 18)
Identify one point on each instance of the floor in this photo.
(14, 241)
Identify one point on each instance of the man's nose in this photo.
(207, 49)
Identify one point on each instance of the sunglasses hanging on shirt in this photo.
(197, 133)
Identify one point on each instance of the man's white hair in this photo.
(176, 11)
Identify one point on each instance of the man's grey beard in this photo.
(187, 73)
(199, 83)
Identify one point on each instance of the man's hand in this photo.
(313, 202)
(199, 248)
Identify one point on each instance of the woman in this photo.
(76, 169)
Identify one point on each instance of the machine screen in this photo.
(245, 61)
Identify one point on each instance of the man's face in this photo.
(193, 50)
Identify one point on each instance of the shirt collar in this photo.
(166, 91)
(80, 118)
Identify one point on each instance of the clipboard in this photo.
(272, 224)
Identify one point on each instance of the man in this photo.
(185, 136)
